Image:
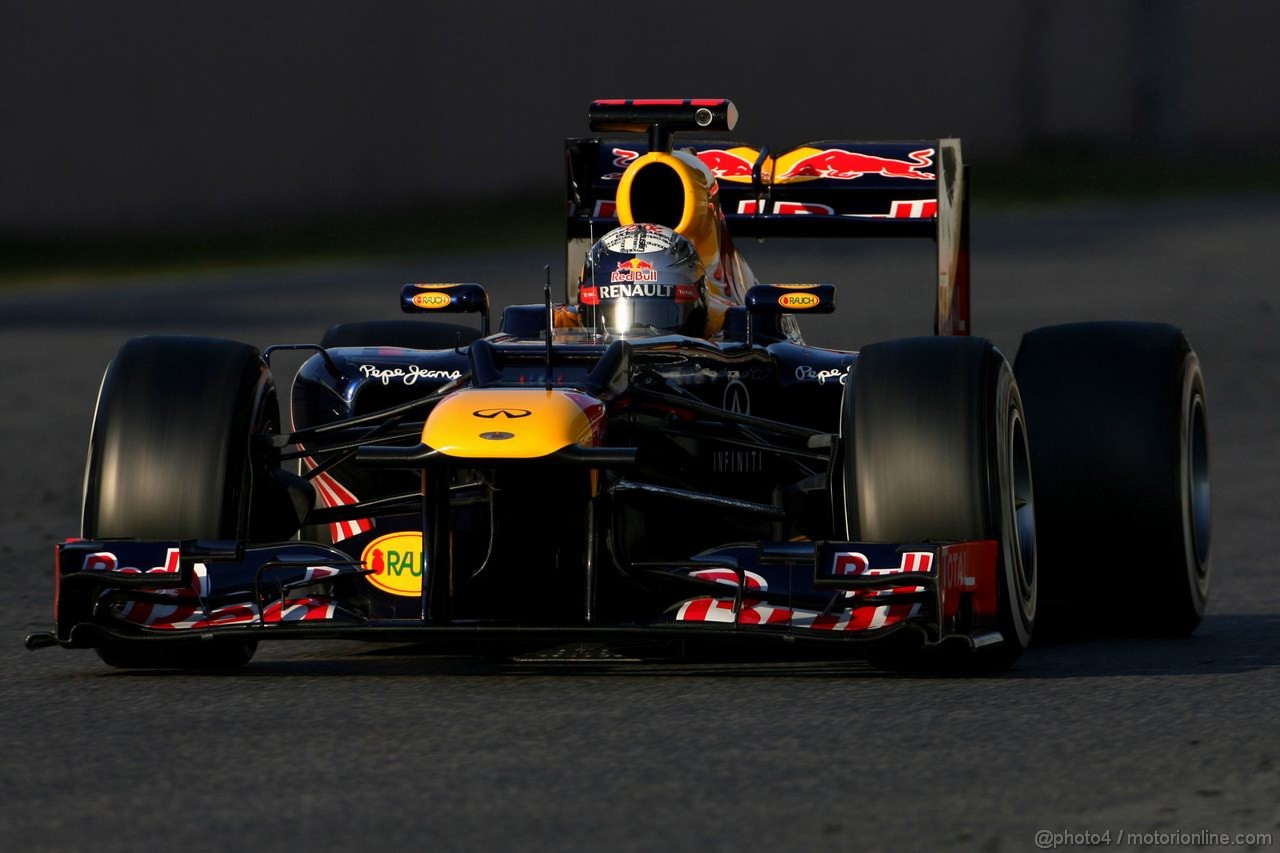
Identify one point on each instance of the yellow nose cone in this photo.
(512, 423)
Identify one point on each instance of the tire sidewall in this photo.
(1017, 575)
(1193, 451)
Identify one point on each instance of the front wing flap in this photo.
(195, 586)
(852, 589)
(810, 592)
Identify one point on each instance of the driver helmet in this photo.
(643, 280)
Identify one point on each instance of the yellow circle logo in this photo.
(431, 300)
(799, 301)
(396, 562)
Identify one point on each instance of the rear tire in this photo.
(935, 449)
(410, 334)
(173, 456)
(1119, 423)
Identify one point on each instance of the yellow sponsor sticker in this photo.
(799, 301)
(432, 300)
(396, 562)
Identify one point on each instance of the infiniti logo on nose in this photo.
(506, 413)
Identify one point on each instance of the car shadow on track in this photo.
(1224, 644)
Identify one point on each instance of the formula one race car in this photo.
(658, 459)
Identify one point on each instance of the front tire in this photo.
(1119, 422)
(935, 448)
(175, 454)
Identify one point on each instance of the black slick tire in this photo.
(934, 448)
(1120, 450)
(173, 456)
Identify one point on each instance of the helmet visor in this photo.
(623, 317)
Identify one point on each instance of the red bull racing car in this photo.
(657, 459)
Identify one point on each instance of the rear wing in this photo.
(829, 188)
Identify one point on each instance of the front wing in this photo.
(825, 592)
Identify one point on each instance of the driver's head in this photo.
(643, 280)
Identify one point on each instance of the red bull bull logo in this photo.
(622, 158)
(634, 270)
(845, 165)
(734, 164)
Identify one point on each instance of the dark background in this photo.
(146, 116)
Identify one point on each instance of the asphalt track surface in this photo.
(341, 746)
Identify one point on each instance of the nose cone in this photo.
(511, 423)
